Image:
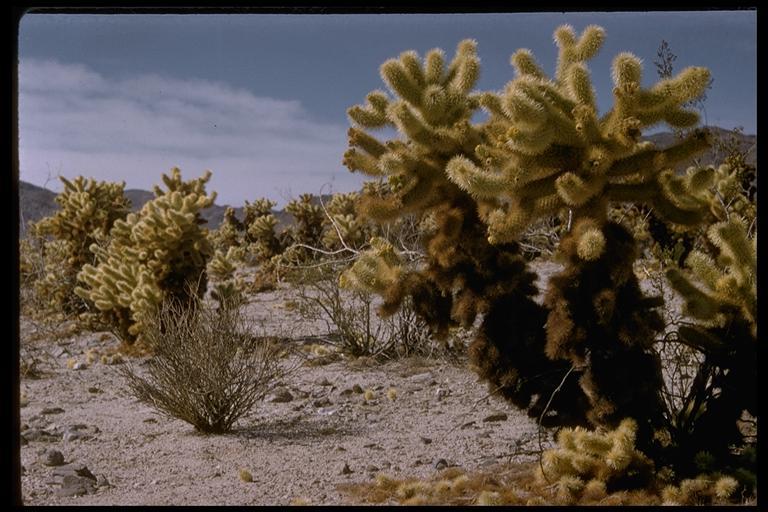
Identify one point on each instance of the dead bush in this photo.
(352, 321)
(207, 368)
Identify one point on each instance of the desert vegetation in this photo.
(638, 357)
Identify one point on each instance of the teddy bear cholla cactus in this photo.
(543, 149)
(87, 211)
(157, 254)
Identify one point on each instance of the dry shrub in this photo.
(351, 317)
(207, 368)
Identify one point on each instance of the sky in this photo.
(261, 99)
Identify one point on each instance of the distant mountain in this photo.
(746, 143)
(37, 202)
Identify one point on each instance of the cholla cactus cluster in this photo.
(594, 463)
(157, 254)
(87, 211)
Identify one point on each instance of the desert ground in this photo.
(87, 441)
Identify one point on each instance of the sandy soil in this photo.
(326, 435)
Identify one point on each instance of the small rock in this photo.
(94, 389)
(416, 463)
(499, 416)
(23, 441)
(74, 486)
(23, 471)
(53, 458)
(487, 462)
(322, 402)
(467, 425)
(101, 481)
(372, 469)
(36, 434)
(420, 377)
(441, 393)
(345, 470)
(60, 352)
(52, 410)
(149, 420)
(386, 464)
(75, 435)
(327, 411)
(346, 392)
(281, 396)
(324, 382)
(77, 426)
(74, 469)
(441, 464)
(80, 365)
(357, 389)
(425, 440)
(340, 449)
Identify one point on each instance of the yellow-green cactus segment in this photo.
(375, 270)
(584, 456)
(711, 285)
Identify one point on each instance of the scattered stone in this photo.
(373, 446)
(386, 464)
(425, 440)
(149, 420)
(324, 382)
(372, 469)
(322, 402)
(75, 480)
(74, 469)
(245, 475)
(94, 389)
(340, 449)
(77, 426)
(421, 378)
(346, 392)
(417, 463)
(52, 410)
(101, 481)
(441, 464)
(498, 416)
(281, 396)
(36, 434)
(53, 458)
(23, 441)
(357, 389)
(467, 425)
(80, 365)
(76, 435)
(23, 400)
(345, 470)
(441, 393)
(487, 462)
(60, 352)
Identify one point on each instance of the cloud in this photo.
(73, 120)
